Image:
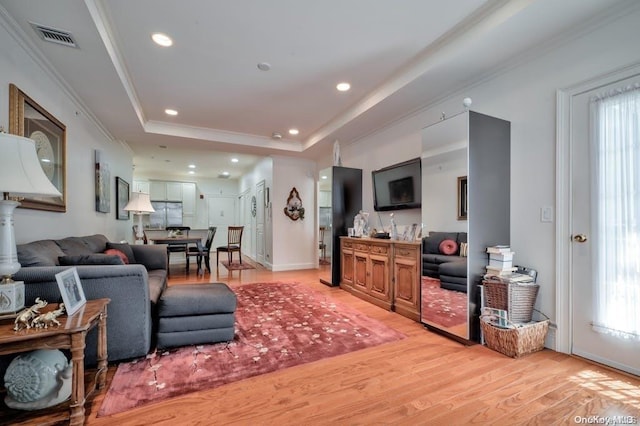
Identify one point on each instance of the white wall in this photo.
(525, 95)
(83, 138)
(294, 242)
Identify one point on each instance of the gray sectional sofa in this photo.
(451, 269)
(134, 288)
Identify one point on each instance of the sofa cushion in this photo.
(39, 253)
(432, 242)
(157, 284)
(73, 246)
(116, 252)
(454, 269)
(125, 248)
(437, 259)
(90, 259)
(448, 247)
(97, 243)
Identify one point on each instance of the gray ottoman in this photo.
(192, 314)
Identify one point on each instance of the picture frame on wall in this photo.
(28, 119)
(71, 290)
(103, 185)
(463, 200)
(122, 198)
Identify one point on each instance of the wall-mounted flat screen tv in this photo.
(398, 186)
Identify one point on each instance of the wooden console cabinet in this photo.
(383, 272)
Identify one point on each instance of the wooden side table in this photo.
(70, 335)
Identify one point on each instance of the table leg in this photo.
(102, 349)
(77, 387)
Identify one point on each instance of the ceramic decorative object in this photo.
(361, 224)
(38, 379)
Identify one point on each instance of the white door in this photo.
(605, 228)
(260, 203)
(221, 212)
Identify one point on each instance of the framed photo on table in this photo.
(71, 290)
(30, 120)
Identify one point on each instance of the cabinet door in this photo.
(347, 267)
(379, 277)
(174, 191)
(141, 186)
(158, 191)
(407, 278)
(189, 199)
(361, 271)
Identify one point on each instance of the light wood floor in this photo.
(423, 379)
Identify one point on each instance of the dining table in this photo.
(181, 240)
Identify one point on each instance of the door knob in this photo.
(579, 238)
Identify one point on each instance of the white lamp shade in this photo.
(139, 203)
(20, 170)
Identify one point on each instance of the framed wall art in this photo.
(122, 198)
(103, 185)
(463, 201)
(28, 119)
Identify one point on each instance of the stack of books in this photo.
(501, 267)
(500, 261)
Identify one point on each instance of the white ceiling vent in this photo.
(54, 35)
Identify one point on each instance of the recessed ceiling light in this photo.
(170, 111)
(162, 146)
(162, 39)
(293, 131)
(276, 135)
(324, 177)
(192, 166)
(264, 66)
(343, 87)
(225, 173)
(191, 172)
(234, 160)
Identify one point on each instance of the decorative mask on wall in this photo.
(294, 209)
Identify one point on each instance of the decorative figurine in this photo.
(394, 228)
(27, 314)
(48, 318)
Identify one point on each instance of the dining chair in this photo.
(182, 248)
(206, 250)
(323, 245)
(234, 243)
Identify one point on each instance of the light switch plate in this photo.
(546, 214)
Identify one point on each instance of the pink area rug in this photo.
(237, 266)
(278, 325)
(445, 307)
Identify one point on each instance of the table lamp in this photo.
(139, 204)
(20, 175)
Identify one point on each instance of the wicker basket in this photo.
(515, 342)
(515, 298)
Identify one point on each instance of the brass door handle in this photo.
(580, 238)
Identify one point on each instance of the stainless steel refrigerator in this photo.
(167, 213)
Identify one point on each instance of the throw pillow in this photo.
(125, 248)
(448, 247)
(116, 252)
(464, 249)
(90, 259)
